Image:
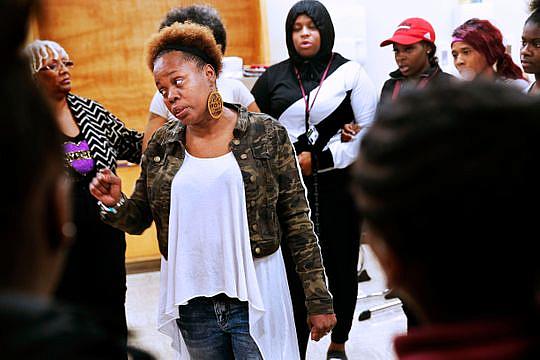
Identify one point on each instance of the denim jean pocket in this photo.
(209, 326)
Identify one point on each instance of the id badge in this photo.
(312, 135)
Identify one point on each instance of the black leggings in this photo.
(339, 224)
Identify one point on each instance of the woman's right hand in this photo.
(106, 187)
(349, 131)
(304, 159)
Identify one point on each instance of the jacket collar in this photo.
(177, 131)
(397, 75)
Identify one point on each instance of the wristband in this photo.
(104, 209)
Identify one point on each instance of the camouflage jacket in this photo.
(275, 196)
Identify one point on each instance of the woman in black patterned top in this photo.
(94, 139)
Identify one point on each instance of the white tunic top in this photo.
(209, 253)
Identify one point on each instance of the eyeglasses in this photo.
(55, 66)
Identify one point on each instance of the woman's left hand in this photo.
(321, 325)
(305, 163)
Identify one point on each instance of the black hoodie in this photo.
(320, 16)
(278, 88)
(346, 87)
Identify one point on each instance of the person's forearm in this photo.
(298, 233)
(132, 217)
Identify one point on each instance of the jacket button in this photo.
(157, 159)
(254, 227)
(258, 250)
(252, 178)
(236, 142)
(243, 156)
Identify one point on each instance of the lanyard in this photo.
(421, 84)
(306, 96)
(315, 169)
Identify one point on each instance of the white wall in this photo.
(362, 24)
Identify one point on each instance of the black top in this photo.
(94, 276)
(78, 161)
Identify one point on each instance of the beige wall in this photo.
(106, 40)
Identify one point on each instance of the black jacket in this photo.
(397, 84)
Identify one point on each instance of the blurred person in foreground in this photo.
(446, 179)
(36, 229)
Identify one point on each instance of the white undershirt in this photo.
(209, 253)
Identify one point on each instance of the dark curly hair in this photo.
(534, 6)
(199, 14)
(432, 57)
(446, 177)
(196, 43)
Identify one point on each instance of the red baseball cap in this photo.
(411, 31)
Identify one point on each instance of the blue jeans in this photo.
(217, 328)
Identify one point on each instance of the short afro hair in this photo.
(195, 41)
(198, 14)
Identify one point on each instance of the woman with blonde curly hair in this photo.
(223, 187)
(93, 139)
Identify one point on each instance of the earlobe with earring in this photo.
(215, 104)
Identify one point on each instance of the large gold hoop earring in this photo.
(215, 104)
